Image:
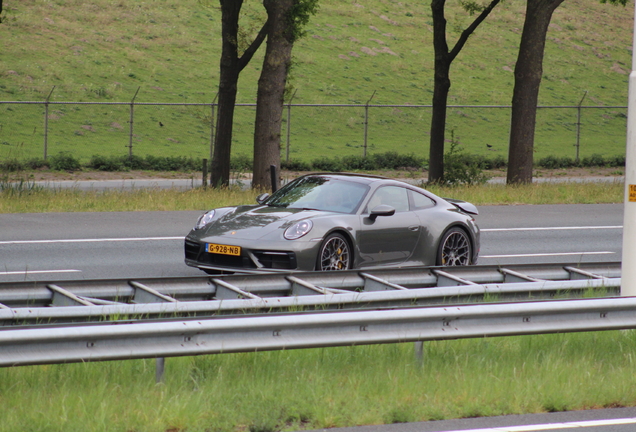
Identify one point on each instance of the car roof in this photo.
(361, 178)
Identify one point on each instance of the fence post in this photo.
(132, 115)
(578, 127)
(366, 124)
(46, 123)
(204, 180)
(289, 123)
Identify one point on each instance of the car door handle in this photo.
(414, 227)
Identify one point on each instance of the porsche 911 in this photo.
(329, 222)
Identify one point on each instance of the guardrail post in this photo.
(419, 353)
(366, 125)
(46, 123)
(132, 115)
(289, 123)
(160, 365)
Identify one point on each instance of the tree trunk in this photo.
(443, 60)
(228, 79)
(441, 87)
(231, 67)
(528, 73)
(271, 90)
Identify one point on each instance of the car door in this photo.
(387, 239)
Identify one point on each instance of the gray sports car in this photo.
(335, 222)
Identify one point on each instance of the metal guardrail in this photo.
(27, 303)
(131, 340)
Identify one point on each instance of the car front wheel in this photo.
(454, 249)
(335, 254)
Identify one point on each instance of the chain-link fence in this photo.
(39, 129)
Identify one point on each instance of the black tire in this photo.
(455, 248)
(334, 254)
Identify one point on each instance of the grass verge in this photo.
(323, 388)
(24, 198)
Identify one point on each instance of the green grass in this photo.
(26, 198)
(104, 51)
(322, 388)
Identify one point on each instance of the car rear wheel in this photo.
(335, 254)
(454, 249)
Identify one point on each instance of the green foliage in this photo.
(65, 161)
(554, 162)
(295, 165)
(152, 163)
(327, 164)
(241, 163)
(107, 163)
(299, 15)
(595, 160)
(461, 168)
(394, 160)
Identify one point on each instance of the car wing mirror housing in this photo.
(262, 198)
(381, 210)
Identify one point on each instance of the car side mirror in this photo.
(381, 210)
(262, 198)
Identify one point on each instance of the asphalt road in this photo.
(57, 246)
(602, 420)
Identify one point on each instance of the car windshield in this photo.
(320, 193)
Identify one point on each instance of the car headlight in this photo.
(298, 230)
(204, 219)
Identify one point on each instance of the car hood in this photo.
(255, 222)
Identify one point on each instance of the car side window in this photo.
(421, 201)
(394, 196)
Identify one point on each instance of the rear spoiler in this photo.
(464, 206)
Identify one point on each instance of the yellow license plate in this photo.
(223, 249)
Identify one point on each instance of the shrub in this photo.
(393, 160)
(295, 165)
(461, 168)
(596, 160)
(172, 163)
(351, 163)
(326, 164)
(106, 163)
(36, 164)
(135, 162)
(616, 161)
(241, 163)
(64, 161)
(553, 162)
(12, 165)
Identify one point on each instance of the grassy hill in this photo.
(107, 50)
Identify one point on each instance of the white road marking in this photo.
(99, 240)
(552, 426)
(546, 254)
(553, 228)
(29, 272)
